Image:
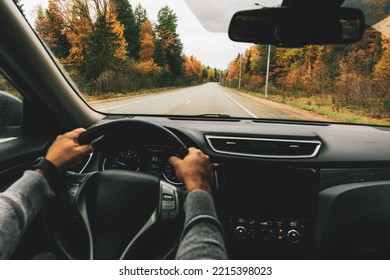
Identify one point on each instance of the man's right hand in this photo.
(195, 170)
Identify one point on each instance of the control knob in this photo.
(240, 232)
(293, 236)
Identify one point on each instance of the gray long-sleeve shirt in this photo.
(19, 204)
(202, 236)
(201, 239)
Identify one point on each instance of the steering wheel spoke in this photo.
(167, 210)
(111, 214)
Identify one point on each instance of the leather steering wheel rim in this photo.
(104, 127)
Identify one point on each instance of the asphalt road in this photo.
(210, 98)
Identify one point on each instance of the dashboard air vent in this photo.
(264, 147)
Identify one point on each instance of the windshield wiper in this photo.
(221, 116)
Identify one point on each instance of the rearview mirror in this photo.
(289, 27)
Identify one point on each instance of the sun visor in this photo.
(215, 15)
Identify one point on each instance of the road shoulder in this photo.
(294, 112)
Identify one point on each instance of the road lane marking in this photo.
(242, 107)
(188, 102)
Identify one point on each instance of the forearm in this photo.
(202, 236)
(19, 204)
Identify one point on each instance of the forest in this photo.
(353, 78)
(108, 47)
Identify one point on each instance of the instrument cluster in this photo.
(148, 159)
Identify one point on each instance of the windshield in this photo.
(161, 58)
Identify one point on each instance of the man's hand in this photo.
(195, 170)
(66, 150)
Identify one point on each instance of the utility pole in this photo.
(239, 75)
(239, 78)
(230, 74)
(266, 78)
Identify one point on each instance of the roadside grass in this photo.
(341, 115)
(344, 115)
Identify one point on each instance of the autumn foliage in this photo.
(354, 77)
(106, 46)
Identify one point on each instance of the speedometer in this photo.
(128, 159)
(170, 174)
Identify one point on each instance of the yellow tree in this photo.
(117, 30)
(95, 34)
(192, 68)
(147, 43)
(382, 76)
(50, 25)
(78, 32)
(147, 48)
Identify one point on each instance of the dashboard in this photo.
(299, 190)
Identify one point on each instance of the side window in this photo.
(11, 111)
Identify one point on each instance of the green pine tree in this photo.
(171, 43)
(126, 16)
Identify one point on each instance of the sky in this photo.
(212, 49)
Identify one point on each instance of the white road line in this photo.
(189, 101)
(242, 107)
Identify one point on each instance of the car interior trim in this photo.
(315, 152)
(82, 209)
(86, 164)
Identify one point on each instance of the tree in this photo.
(51, 26)
(42, 25)
(171, 43)
(147, 43)
(192, 69)
(20, 6)
(147, 49)
(96, 42)
(248, 63)
(126, 17)
(107, 43)
(79, 27)
(204, 74)
(159, 57)
(86, 33)
(140, 15)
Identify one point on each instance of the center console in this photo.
(267, 212)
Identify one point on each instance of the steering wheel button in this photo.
(167, 197)
(167, 190)
(172, 215)
(168, 205)
(165, 215)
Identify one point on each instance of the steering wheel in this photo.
(117, 207)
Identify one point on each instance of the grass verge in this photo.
(343, 115)
(113, 95)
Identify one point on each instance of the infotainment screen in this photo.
(269, 192)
